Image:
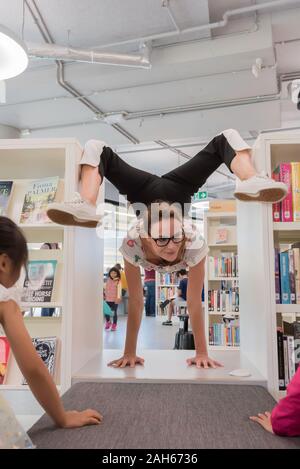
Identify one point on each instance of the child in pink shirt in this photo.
(285, 417)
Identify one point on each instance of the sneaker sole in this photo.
(265, 195)
(67, 219)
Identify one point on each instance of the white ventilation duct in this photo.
(56, 52)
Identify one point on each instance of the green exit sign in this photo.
(200, 195)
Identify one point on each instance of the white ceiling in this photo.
(199, 68)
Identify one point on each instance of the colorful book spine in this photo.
(280, 355)
(296, 190)
(291, 356)
(292, 277)
(296, 252)
(284, 278)
(277, 206)
(277, 277)
(285, 170)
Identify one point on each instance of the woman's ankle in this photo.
(242, 166)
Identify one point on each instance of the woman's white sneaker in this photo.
(260, 188)
(77, 212)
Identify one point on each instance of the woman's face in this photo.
(166, 229)
(113, 274)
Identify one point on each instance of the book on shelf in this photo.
(276, 208)
(39, 281)
(5, 195)
(223, 300)
(39, 195)
(47, 349)
(277, 277)
(221, 235)
(288, 210)
(296, 190)
(287, 275)
(280, 355)
(4, 355)
(284, 278)
(224, 335)
(168, 278)
(167, 293)
(225, 265)
(288, 351)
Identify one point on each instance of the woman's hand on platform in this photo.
(127, 360)
(202, 360)
(75, 419)
(264, 420)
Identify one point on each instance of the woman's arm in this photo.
(135, 310)
(194, 304)
(36, 372)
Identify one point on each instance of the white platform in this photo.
(168, 366)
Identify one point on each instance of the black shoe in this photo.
(167, 323)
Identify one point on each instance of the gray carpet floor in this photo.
(155, 416)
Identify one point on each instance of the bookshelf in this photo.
(77, 287)
(258, 235)
(165, 287)
(217, 336)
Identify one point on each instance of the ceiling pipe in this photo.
(56, 52)
(209, 26)
(166, 4)
(39, 21)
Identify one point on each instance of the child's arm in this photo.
(194, 304)
(135, 310)
(285, 417)
(36, 373)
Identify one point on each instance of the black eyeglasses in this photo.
(177, 238)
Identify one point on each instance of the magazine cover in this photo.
(46, 348)
(39, 195)
(5, 192)
(39, 281)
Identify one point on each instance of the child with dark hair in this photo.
(113, 296)
(14, 256)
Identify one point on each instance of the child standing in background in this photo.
(113, 296)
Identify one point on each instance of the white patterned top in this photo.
(195, 249)
(14, 293)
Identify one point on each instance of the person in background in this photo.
(181, 295)
(284, 420)
(113, 296)
(149, 284)
(13, 257)
(123, 279)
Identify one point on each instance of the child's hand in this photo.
(202, 360)
(264, 420)
(127, 360)
(74, 419)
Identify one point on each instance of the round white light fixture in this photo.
(13, 54)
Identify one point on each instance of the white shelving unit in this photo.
(212, 222)
(257, 237)
(78, 280)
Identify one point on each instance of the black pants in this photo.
(114, 307)
(177, 185)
